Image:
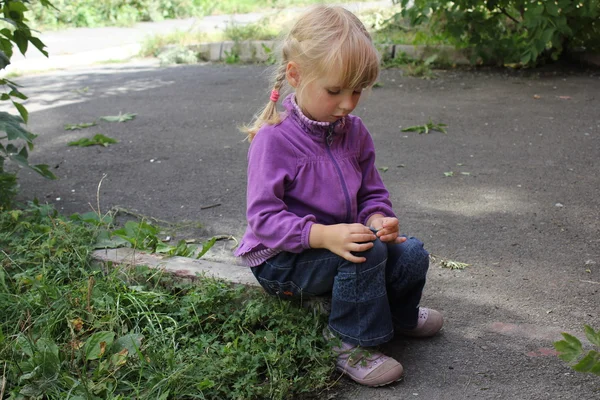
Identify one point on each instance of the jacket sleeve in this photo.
(373, 197)
(271, 167)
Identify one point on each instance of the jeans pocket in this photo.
(286, 290)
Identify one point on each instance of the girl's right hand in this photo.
(343, 239)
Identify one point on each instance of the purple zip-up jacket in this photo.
(302, 172)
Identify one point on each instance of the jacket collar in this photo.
(316, 129)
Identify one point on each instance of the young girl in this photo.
(320, 221)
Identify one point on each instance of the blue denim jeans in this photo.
(368, 300)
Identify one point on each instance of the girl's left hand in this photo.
(388, 229)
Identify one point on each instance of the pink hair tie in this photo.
(274, 95)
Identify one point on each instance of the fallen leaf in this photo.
(565, 97)
(537, 96)
(119, 118)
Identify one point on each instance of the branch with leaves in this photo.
(17, 142)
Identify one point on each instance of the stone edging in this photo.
(259, 51)
(192, 269)
(180, 266)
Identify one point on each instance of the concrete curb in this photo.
(246, 52)
(261, 50)
(193, 269)
(179, 266)
(257, 51)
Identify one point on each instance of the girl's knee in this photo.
(414, 256)
(376, 256)
(414, 249)
(378, 253)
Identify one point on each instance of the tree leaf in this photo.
(10, 21)
(16, 93)
(43, 170)
(38, 45)
(17, 6)
(552, 8)
(119, 118)
(21, 40)
(22, 111)
(4, 60)
(526, 57)
(11, 124)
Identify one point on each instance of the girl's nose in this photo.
(348, 103)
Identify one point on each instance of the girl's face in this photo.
(323, 99)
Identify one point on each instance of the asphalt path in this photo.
(521, 205)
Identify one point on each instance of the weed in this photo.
(98, 140)
(232, 56)
(412, 67)
(571, 350)
(426, 128)
(395, 61)
(178, 55)
(154, 45)
(271, 58)
(257, 31)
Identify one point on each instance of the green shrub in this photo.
(92, 13)
(511, 31)
(15, 141)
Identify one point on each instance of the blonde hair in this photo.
(323, 39)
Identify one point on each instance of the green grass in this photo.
(91, 13)
(155, 44)
(385, 28)
(70, 328)
(152, 45)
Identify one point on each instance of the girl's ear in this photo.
(292, 74)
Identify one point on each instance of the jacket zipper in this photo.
(329, 140)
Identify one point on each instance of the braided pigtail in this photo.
(269, 114)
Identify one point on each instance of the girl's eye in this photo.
(358, 92)
(333, 92)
